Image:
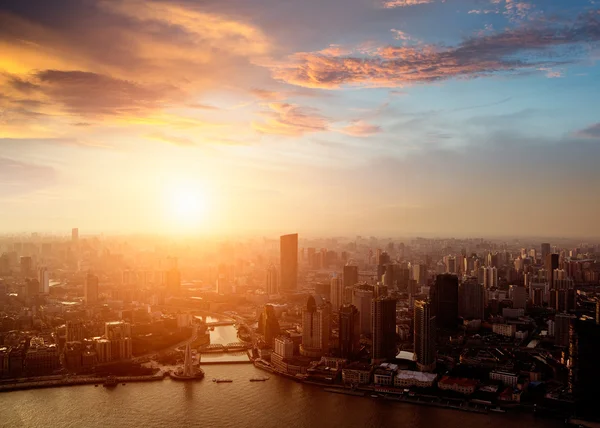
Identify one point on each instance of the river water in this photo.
(278, 402)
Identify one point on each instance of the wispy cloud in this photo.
(390, 4)
(592, 131)
(360, 128)
(290, 120)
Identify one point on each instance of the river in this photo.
(278, 402)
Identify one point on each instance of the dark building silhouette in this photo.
(584, 349)
(551, 263)
(471, 299)
(444, 300)
(91, 289)
(424, 336)
(288, 253)
(350, 279)
(349, 331)
(383, 315)
(268, 325)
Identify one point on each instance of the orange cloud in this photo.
(290, 120)
(360, 128)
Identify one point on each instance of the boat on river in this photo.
(222, 380)
(259, 379)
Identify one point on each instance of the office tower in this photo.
(551, 263)
(272, 281)
(546, 249)
(44, 280)
(337, 293)
(288, 253)
(424, 336)
(315, 329)
(350, 275)
(268, 325)
(482, 276)
(323, 289)
(4, 264)
(444, 300)
(75, 331)
(397, 277)
(75, 235)
(519, 296)
(349, 344)
(584, 373)
(26, 264)
(91, 289)
(472, 299)
(384, 328)
(362, 298)
(419, 274)
(562, 324)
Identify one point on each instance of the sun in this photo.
(188, 206)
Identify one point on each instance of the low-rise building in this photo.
(507, 378)
(460, 385)
(408, 378)
(384, 374)
(357, 373)
(507, 330)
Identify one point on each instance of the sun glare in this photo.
(188, 206)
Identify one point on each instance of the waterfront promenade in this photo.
(54, 381)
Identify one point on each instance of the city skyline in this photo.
(448, 118)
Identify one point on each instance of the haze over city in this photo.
(445, 118)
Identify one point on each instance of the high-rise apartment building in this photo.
(316, 326)
(44, 280)
(518, 296)
(75, 235)
(362, 297)
(272, 281)
(424, 336)
(384, 328)
(26, 265)
(546, 249)
(337, 293)
(288, 253)
(550, 264)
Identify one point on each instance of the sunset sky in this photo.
(455, 117)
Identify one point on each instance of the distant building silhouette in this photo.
(444, 300)
(316, 327)
(91, 289)
(384, 328)
(272, 282)
(288, 252)
(349, 331)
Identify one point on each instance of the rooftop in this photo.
(419, 376)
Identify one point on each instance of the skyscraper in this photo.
(272, 283)
(315, 328)
(444, 300)
(91, 289)
(350, 275)
(349, 331)
(337, 293)
(288, 253)
(562, 325)
(546, 249)
(551, 263)
(384, 328)
(472, 299)
(424, 336)
(44, 280)
(362, 297)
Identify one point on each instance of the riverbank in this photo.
(19, 385)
